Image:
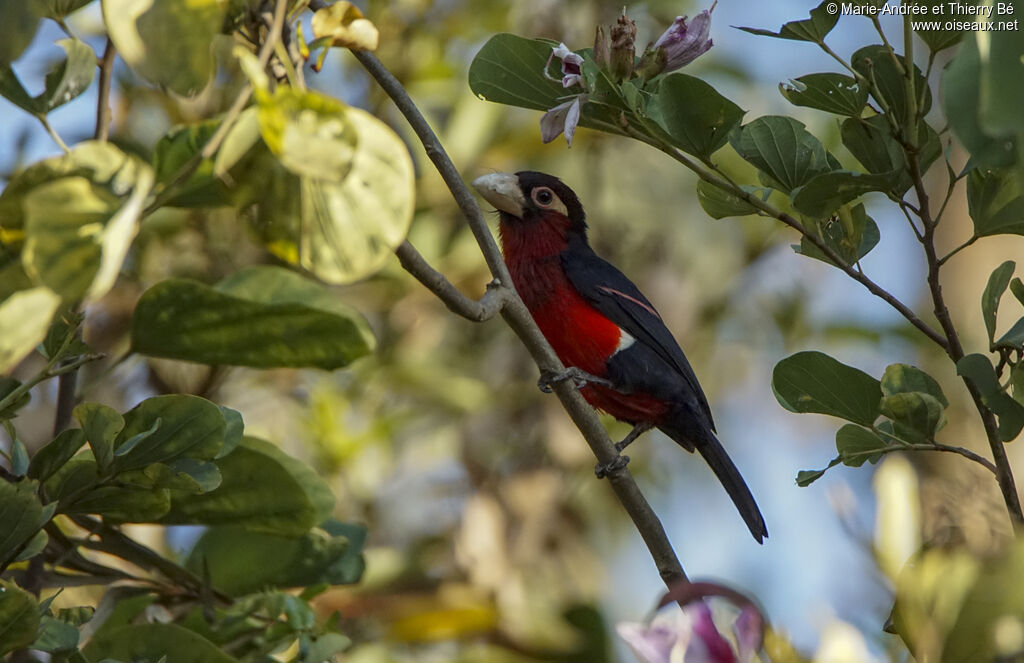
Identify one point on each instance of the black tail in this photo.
(720, 463)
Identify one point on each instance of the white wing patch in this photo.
(625, 340)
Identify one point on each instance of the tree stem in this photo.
(103, 102)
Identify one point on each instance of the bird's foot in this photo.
(638, 430)
(579, 377)
(604, 469)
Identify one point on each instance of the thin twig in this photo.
(518, 317)
(103, 101)
(66, 400)
(476, 310)
(966, 453)
(53, 134)
(972, 240)
(905, 208)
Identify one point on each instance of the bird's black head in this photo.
(530, 196)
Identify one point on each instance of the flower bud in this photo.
(623, 51)
(684, 43)
(602, 48)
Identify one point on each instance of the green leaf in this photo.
(71, 480)
(832, 93)
(123, 505)
(870, 141)
(17, 29)
(299, 501)
(877, 63)
(153, 642)
(34, 546)
(58, 451)
(70, 78)
(261, 317)
(101, 424)
(1017, 288)
(980, 371)
(995, 202)
(342, 224)
(938, 39)
(780, 147)
(19, 616)
(814, 382)
(21, 516)
(812, 29)
(696, 117)
(24, 319)
(168, 43)
(326, 647)
(994, 289)
(310, 133)
(7, 387)
(61, 338)
(184, 474)
(510, 70)
(176, 149)
(904, 378)
(235, 428)
(961, 91)
(805, 478)
(190, 427)
(55, 636)
(128, 445)
(80, 216)
(241, 562)
(856, 445)
(719, 203)
(1013, 339)
(916, 416)
(825, 193)
(851, 234)
(1017, 382)
(19, 457)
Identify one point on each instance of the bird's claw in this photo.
(579, 377)
(604, 469)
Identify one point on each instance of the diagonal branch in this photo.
(519, 319)
(486, 308)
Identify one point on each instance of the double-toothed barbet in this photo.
(602, 327)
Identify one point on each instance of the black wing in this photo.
(617, 298)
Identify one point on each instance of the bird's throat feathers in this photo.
(534, 239)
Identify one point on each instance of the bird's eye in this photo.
(543, 196)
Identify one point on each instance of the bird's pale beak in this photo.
(501, 190)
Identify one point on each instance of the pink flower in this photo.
(690, 634)
(562, 118)
(685, 43)
(572, 65)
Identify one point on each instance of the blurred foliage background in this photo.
(489, 538)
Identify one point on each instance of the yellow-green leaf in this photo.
(168, 42)
(24, 319)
